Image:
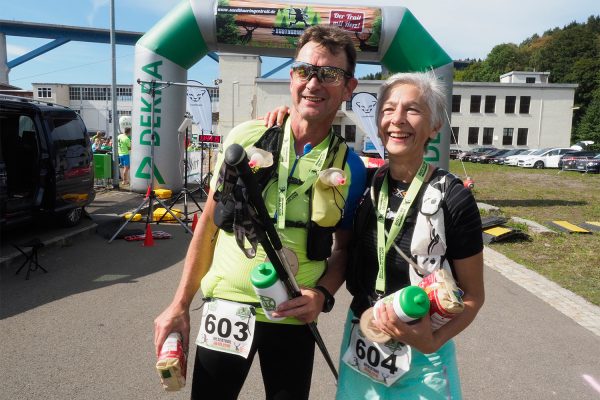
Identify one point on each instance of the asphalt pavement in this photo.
(84, 329)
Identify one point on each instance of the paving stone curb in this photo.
(573, 306)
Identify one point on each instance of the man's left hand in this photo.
(305, 308)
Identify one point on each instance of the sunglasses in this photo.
(331, 76)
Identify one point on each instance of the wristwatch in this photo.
(329, 299)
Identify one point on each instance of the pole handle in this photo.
(236, 156)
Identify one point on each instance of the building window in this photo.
(475, 104)
(456, 103)
(488, 135)
(337, 129)
(74, 93)
(87, 93)
(124, 94)
(530, 79)
(454, 136)
(509, 105)
(99, 94)
(214, 95)
(44, 92)
(490, 104)
(121, 113)
(473, 135)
(522, 137)
(524, 104)
(350, 133)
(507, 136)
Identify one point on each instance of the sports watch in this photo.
(329, 299)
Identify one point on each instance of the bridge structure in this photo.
(58, 35)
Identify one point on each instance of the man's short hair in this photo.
(334, 39)
(127, 130)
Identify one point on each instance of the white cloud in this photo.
(96, 5)
(15, 51)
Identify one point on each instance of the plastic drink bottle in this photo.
(410, 303)
(269, 288)
(171, 364)
(332, 177)
(259, 158)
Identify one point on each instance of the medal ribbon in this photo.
(284, 166)
(384, 245)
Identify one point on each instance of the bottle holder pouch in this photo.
(319, 242)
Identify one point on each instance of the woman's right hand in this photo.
(276, 116)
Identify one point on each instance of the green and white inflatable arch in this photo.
(190, 31)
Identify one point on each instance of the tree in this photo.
(589, 126)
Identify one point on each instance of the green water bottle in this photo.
(410, 303)
(269, 288)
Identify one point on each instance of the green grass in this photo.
(570, 260)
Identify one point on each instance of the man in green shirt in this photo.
(320, 80)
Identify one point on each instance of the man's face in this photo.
(312, 100)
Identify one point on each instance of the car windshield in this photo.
(538, 152)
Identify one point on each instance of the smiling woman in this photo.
(396, 245)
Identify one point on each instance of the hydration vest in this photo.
(428, 242)
(233, 216)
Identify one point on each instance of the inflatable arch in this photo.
(390, 35)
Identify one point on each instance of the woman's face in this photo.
(404, 122)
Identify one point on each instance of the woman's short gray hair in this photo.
(431, 88)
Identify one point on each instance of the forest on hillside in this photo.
(571, 54)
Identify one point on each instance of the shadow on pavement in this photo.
(85, 264)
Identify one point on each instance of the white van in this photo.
(543, 158)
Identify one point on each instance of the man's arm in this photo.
(176, 317)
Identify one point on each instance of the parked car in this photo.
(544, 158)
(45, 162)
(476, 151)
(501, 158)
(453, 153)
(475, 156)
(514, 159)
(489, 156)
(568, 161)
(589, 165)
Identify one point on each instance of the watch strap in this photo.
(329, 299)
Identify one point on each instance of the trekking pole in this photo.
(236, 157)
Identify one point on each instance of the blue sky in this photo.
(464, 28)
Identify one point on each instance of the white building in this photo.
(523, 110)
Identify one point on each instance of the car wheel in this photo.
(538, 165)
(72, 217)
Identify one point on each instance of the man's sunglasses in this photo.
(332, 76)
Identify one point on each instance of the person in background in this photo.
(124, 148)
(96, 145)
(395, 245)
(320, 79)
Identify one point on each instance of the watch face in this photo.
(328, 305)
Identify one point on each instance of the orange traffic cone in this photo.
(148, 238)
(194, 222)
